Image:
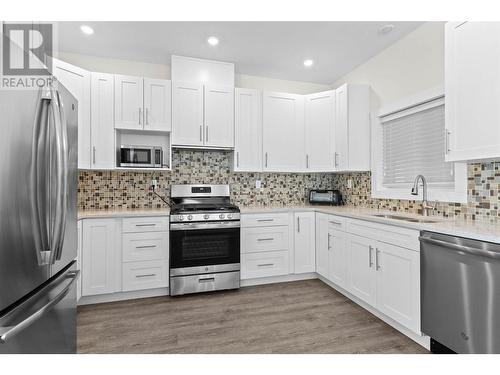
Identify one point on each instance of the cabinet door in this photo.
(129, 112)
(305, 243)
(337, 256)
(102, 121)
(319, 130)
(187, 114)
(283, 132)
(219, 116)
(248, 130)
(362, 273)
(322, 244)
(99, 257)
(77, 81)
(157, 104)
(341, 128)
(472, 85)
(398, 284)
(79, 258)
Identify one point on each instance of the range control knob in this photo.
(221, 216)
(190, 217)
(229, 216)
(206, 216)
(181, 217)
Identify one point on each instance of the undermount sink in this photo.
(405, 218)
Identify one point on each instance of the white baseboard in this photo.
(122, 296)
(278, 279)
(419, 339)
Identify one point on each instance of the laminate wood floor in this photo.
(295, 317)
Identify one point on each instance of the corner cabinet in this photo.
(283, 132)
(248, 130)
(472, 90)
(202, 116)
(77, 81)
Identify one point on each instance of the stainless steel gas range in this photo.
(204, 239)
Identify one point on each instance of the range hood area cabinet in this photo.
(321, 132)
(472, 91)
(202, 115)
(143, 103)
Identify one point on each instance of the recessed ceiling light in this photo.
(86, 29)
(213, 41)
(386, 29)
(308, 63)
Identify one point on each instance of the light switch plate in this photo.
(349, 183)
(258, 184)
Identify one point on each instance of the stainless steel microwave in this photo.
(141, 156)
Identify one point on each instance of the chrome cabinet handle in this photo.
(336, 159)
(145, 275)
(201, 133)
(307, 161)
(93, 154)
(140, 112)
(145, 225)
(265, 239)
(10, 331)
(206, 133)
(264, 220)
(335, 222)
(147, 116)
(298, 224)
(207, 280)
(370, 263)
(329, 237)
(266, 160)
(377, 264)
(145, 247)
(237, 159)
(265, 265)
(447, 141)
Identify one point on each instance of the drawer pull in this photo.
(264, 220)
(146, 247)
(265, 265)
(335, 222)
(207, 280)
(265, 239)
(145, 225)
(147, 275)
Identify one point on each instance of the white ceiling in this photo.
(269, 49)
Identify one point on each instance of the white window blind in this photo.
(413, 144)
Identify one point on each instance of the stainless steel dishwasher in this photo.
(460, 289)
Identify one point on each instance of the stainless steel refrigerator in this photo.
(38, 230)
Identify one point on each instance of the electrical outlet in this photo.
(154, 183)
(349, 183)
(258, 184)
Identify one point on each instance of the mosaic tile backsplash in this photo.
(117, 189)
(113, 189)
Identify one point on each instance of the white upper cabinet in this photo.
(472, 90)
(352, 128)
(157, 104)
(319, 131)
(248, 130)
(305, 242)
(283, 132)
(102, 121)
(129, 102)
(187, 114)
(77, 81)
(219, 116)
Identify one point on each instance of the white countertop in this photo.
(479, 230)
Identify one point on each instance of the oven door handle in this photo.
(212, 225)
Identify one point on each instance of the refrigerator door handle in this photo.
(61, 140)
(8, 332)
(37, 178)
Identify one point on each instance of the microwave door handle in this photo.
(37, 183)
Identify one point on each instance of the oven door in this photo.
(136, 157)
(211, 245)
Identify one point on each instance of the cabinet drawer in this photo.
(273, 263)
(144, 246)
(264, 220)
(145, 275)
(264, 239)
(145, 224)
(336, 222)
(407, 238)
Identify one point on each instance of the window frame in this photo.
(434, 192)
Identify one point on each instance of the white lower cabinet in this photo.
(362, 276)
(338, 266)
(304, 242)
(145, 275)
(100, 260)
(264, 264)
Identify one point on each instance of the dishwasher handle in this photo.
(463, 248)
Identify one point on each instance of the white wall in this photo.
(136, 68)
(413, 64)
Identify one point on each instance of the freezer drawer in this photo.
(460, 283)
(45, 322)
